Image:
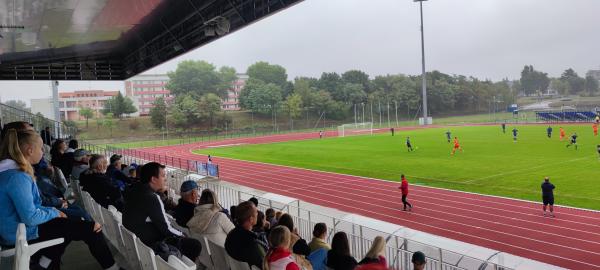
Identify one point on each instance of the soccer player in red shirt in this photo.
(595, 128)
(562, 133)
(404, 188)
(456, 146)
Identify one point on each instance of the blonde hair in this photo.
(13, 145)
(280, 236)
(377, 248)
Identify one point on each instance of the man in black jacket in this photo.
(144, 213)
(188, 201)
(95, 182)
(118, 178)
(242, 243)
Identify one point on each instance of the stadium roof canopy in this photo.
(113, 39)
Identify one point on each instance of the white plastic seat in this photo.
(235, 264)
(205, 257)
(116, 223)
(175, 263)
(23, 251)
(146, 255)
(109, 227)
(76, 189)
(218, 255)
(85, 202)
(7, 253)
(130, 247)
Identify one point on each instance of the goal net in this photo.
(352, 129)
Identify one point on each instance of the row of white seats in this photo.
(212, 255)
(22, 252)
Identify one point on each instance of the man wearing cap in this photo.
(119, 179)
(81, 159)
(418, 260)
(188, 201)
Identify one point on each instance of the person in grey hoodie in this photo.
(209, 221)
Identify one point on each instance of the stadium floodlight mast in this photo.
(423, 79)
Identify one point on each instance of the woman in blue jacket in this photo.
(21, 203)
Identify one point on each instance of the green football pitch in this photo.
(490, 164)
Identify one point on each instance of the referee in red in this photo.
(404, 188)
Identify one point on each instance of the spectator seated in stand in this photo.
(254, 200)
(318, 247)
(46, 136)
(144, 214)
(73, 145)
(298, 246)
(418, 260)
(319, 238)
(376, 254)
(339, 257)
(261, 228)
(53, 197)
(117, 177)
(232, 213)
(270, 216)
(241, 243)
(279, 256)
(41, 168)
(188, 201)
(95, 182)
(209, 220)
(278, 215)
(131, 172)
(168, 202)
(60, 159)
(21, 203)
(81, 160)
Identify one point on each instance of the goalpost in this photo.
(355, 129)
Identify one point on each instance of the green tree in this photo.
(184, 111)
(560, 86)
(268, 73)
(40, 121)
(87, 113)
(158, 113)
(109, 122)
(591, 85)
(119, 106)
(533, 81)
(260, 97)
(353, 93)
(209, 107)
(19, 104)
(576, 84)
(293, 106)
(357, 77)
(200, 77)
(331, 82)
(71, 125)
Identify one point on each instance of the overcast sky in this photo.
(487, 39)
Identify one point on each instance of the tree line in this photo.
(199, 86)
(534, 82)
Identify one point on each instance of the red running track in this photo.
(571, 240)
